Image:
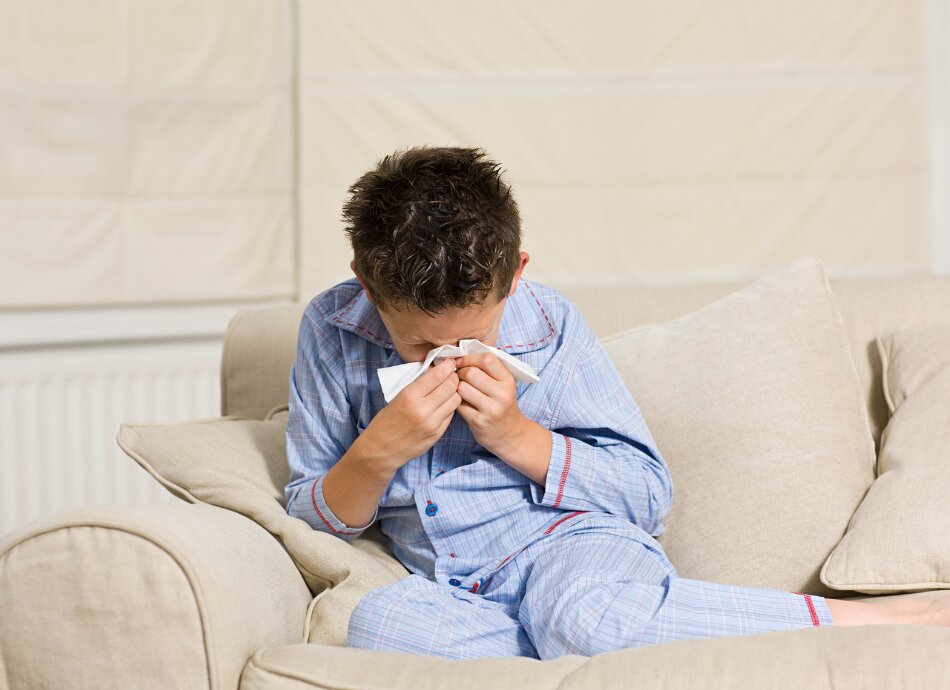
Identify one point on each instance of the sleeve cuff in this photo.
(325, 518)
(559, 467)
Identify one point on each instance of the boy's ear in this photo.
(514, 280)
(369, 295)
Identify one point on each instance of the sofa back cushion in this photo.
(755, 404)
(261, 342)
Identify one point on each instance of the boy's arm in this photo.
(603, 456)
(321, 438)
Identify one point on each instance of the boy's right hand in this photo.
(415, 419)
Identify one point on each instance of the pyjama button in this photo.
(432, 509)
(455, 581)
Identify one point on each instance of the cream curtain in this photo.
(148, 148)
(655, 141)
(145, 151)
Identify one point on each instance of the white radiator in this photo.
(60, 409)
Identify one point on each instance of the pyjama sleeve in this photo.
(320, 427)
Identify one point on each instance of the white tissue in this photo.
(394, 379)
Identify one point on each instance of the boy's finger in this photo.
(479, 380)
(443, 391)
(433, 377)
(447, 408)
(473, 396)
(488, 363)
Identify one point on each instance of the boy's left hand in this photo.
(489, 402)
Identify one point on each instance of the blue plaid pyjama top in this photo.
(500, 565)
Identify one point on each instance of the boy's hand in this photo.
(414, 420)
(489, 402)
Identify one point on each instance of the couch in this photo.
(225, 590)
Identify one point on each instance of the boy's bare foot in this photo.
(893, 609)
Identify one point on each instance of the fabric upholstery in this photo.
(756, 406)
(241, 465)
(899, 537)
(122, 596)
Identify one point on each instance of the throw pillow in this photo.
(899, 537)
(241, 464)
(755, 404)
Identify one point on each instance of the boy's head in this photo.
(436, 238)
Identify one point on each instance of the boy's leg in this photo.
(419, 616)
(595, 592)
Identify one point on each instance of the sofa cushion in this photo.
(899, 537)
(241, 464)
(755, 404)
(822, 658)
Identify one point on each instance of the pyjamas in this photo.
(501, 565)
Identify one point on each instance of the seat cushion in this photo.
(756, 406)
(241, 464)
(899, 537)
(822, 658)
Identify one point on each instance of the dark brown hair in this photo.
(434, 227)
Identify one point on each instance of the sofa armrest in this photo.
(173, 595)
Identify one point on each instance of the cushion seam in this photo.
(282, 673)
(884, 354)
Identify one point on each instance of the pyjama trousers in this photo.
(588, 591)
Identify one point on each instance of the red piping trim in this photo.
(546, 318)
(567, 466)
(338, 318)
(811, 609)
(547, 531)
(566, 517)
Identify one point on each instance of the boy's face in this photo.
(414, 332)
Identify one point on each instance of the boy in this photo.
(525, 513)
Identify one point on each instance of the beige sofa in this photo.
(195, 595)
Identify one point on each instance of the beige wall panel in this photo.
(72, 43)
(688, 140)
(717, 232)
(146, 152)
(683, 233)
(201, 44)
(324, 251)
(672, 182)
(641, 136)
(100, 253)
(144, 44)
(512, 38)
(62, 146)
(73, 252)
(229, 145)
(10, 17)
(209, 250)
